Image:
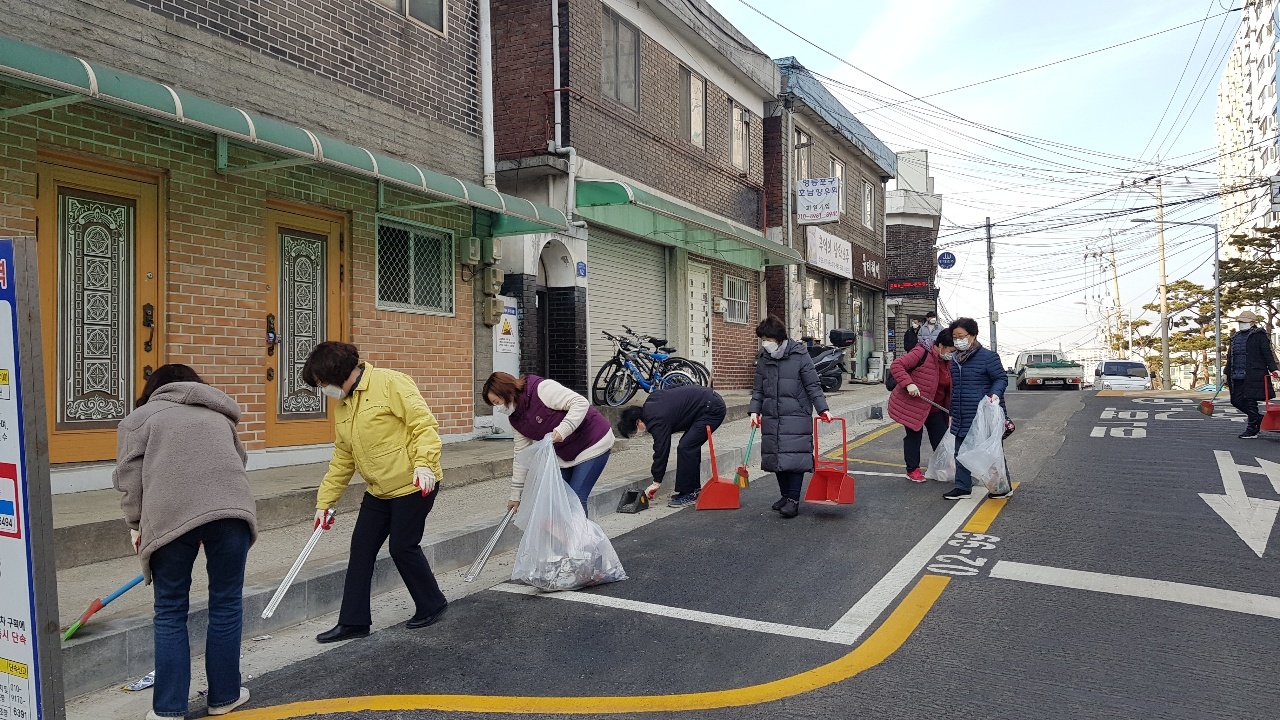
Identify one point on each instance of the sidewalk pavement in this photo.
(117, 644)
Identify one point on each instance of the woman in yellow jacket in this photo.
(384, 429)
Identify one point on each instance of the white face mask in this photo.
(332, 391)
(769, 346)
(1242, 326)
(501, 410)
(962, 344)
(948, 356)
(915, 326)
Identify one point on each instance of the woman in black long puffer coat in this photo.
(785, 395)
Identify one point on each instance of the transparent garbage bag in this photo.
(983, 448)
(561, 549)
(942, 466)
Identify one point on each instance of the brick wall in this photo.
(215, 286)
(912, 253)
(345, 68)
(733, 345)
(522, 65)
(567, 336)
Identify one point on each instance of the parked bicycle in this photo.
(632, 369)
(669, 360)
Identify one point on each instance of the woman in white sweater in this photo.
(539, 407)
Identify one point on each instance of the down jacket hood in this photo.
(199, 394)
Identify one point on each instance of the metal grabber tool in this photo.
(321, 526)
(483, 557)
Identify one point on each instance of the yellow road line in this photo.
(875, 649)
(981, 520)
(832, 455)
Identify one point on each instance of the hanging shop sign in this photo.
(830, 253)
(817, 201)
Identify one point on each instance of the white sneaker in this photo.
(224, 709)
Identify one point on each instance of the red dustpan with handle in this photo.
(831, 483)
(718, 493)
(1206, 406)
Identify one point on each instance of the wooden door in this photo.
(100, 296)
(304, 271)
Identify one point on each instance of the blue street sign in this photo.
(947, 260)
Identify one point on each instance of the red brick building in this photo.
(645, 120)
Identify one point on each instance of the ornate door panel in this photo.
(99, 266)
(304, 307)
(700, 314)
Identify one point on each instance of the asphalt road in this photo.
(740, 614)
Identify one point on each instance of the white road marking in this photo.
(1250, 517)
(860, 473)
(683, 614)
(847, 629)
(1231, 600)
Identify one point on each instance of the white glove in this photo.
(135, 539)
(324, 518)
(652, 490)
(755, 420)
(913, 391)
(424, 479)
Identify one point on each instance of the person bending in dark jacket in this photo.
(976, 375)
(1250, 367)
(689, 409)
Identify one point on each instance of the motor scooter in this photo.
(828, 360)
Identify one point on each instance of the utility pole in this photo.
(1115, 283)
(1166, 380)
(991, 287)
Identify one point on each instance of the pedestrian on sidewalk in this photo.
(1250, 366)
(382, 426)
(928, 332)
(912, 338)
(180, 465)
(783, 399)
(976, 374)
(537, 407)
(689, 409)
(921, 375)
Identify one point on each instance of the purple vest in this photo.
(534, 420)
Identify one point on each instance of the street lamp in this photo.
(1217, 297)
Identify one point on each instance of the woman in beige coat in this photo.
(181, 469)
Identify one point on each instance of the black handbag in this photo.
(890, 382)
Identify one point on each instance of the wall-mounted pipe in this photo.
(486, 96)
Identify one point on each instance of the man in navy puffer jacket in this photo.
(976, 374)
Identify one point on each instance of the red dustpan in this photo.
(1271, 420)
(718, 493)
(831, 484)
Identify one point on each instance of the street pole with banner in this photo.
(30, 653)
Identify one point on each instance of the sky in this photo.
(1041, 153)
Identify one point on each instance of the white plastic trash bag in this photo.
(942, 466)
(983, 448)
(561, 549)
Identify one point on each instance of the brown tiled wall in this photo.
(733, 345)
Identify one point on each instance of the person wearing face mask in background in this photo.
(928, 332)
(976, 376)
(538, 407)
(1250, 366)
(921, 375)
(785, 394)
(912, 338)
(689, 409)
(384, 429)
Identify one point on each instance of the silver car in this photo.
(1122, 375)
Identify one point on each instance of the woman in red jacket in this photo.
(921, 375)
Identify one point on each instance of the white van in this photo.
(1122, 375)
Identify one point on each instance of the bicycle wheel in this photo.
(607, 371)
(677, 378)
(620, 389)
(695, 369)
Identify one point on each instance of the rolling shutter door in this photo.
(627, 286)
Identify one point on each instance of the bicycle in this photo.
(629, 371)
(669, 361)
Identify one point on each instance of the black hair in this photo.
(969, 325)
(163, 375)
(330, 363)
(930, 314)
(944, 339)
(630, 420)
(772, 328)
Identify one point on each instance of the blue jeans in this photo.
(583, 476)
(964, 478)
(226, 547)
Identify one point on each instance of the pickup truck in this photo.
(1047, 368)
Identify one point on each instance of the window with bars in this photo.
(620, 69)
(427, 12)
(737, 296)
(415, 269)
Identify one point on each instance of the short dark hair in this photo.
(930, 314)
(772, 328)
(163, 375)
(630, 420)
(330, 363)
(969, 325)
(944, 339)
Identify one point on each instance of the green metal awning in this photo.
(54, 71)
(620, 206)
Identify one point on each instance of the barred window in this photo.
(415, 268)
(737, 294)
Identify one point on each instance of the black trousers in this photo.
(689, 451)
(790, 484)
(1249, 407)
(403, 520)
(936, 425)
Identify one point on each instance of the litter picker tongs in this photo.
(483, 557)
(321, 526)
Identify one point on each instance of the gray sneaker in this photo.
(682, 499)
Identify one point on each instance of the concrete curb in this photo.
(118, 650)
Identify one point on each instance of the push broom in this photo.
(743, 477)
(97, 605)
